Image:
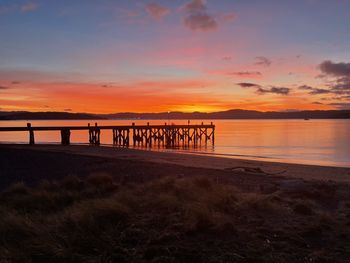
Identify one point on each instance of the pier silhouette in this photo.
(167, 135)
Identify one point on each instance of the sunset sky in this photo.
(178, 55)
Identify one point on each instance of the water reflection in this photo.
(324, 142)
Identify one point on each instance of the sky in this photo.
(112, 56)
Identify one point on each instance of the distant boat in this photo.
(306, 119)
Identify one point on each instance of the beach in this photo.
(161, 158)
(104, 204)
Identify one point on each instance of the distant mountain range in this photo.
(229, 114)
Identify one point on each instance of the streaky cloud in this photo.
(305, 87)
(341, 106)
(274, 90)
(265, 90)
(262, 61)
(248, 85)
(246, 74)
(316, 91)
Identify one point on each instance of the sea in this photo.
(316, 142)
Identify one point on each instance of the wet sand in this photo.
(306, 172)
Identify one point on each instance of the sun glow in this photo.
(197, 108)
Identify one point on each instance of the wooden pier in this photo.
(136, 135)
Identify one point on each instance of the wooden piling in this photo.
(65, 136)
(121, 137)
(31, 134)
(94, 134)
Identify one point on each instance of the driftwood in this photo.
(253, 170)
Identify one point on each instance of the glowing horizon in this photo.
(182, 55)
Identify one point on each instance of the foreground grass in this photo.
(171, 220)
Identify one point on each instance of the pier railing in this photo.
(136, 135)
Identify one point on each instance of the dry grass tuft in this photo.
(261, 203)
(303, 207)
(100, 179)
(203, 182)
(72, 183)
(99, 212)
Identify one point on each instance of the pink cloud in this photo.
(157, 11)
(200, 22)
(195, 6)
(197, 18)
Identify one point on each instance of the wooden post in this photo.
(94, 134)
(31, 134)
(65, 136)
(97, 134)
(150, 137)
(127, 138)
(188, 136)
(90, 134)
(213, 135)
(133, 134)
(195, 137)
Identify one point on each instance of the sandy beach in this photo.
(307, 172)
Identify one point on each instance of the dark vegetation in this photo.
(217, 216)
(229, 114)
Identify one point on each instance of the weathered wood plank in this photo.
(58, 128)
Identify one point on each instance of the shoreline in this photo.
(291, 170)
(256, 158)
(190, 151)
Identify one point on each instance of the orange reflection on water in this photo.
(324, 142)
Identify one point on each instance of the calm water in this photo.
(324, 142)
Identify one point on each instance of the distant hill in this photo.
(235, 114)
(23, 115)
(230, 114)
